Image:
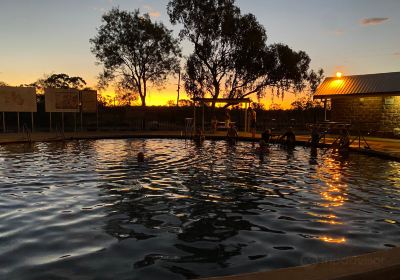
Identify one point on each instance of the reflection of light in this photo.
(151, 188)
(334, 194)
(332, 239)
(339, 74)
(336, 84)
(331, 222)
(179, 196)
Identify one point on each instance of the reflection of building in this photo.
(371, 101)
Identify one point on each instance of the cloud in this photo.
(153, 13)
(396, 54)
(339, 32)
(373, 21)
(99, 9)
(147, 7)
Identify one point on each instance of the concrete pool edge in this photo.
(47, 137)
(383, 264)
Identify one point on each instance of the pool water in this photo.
(89, 210)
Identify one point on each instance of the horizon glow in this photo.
(44, 37)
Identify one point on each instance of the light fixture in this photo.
(339, 74)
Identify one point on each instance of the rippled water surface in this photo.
(87, 209)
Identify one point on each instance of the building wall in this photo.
(391, 114)
(380, 114)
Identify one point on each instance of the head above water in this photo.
(140, 157)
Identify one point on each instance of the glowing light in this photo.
(339, 74)
(332, 240)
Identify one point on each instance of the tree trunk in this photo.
(143, 99)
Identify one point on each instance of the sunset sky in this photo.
(40, 37)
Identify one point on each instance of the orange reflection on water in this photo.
(332, 239)
(331, 222)
(333, 195)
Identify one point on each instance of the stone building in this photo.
(369, 102)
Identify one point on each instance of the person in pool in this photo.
(253, 121)
(288, 138)
(199, 136)
(232, 134)
(140, 157)
(214, 123)
(315, 137)
(266, 135)
(344, 142)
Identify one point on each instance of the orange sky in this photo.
(350, 36)
(155, 97)
(159, 97)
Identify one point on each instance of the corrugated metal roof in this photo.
(370, 84)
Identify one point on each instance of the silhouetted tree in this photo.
(230, 56)
(3, 84)
(315, 79)
(134, 52)
(59, 81)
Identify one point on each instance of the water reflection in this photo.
(189, 211)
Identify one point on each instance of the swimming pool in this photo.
(88, 209)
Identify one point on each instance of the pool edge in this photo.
(383, 264)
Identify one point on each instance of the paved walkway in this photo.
(384, 264)
(379, 146)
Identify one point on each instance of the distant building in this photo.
(370, 102)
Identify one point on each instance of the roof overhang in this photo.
(360, 95)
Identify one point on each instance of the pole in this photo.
(245, 118)
(4, 122)
(62, 120)
(50, 122)
(194, 115)
(97, 117)
(75, 121)
(80, 109)
(18, 121)
(179, 87)
(325, 119)
(32, 120)
(202, 121)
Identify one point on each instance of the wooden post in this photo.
(18, 121)
(202, 123)
(325, 119)
(74, 121)
(4, 122)
(194, 116)
(32, 121)
(179, 87)
(245, 117)
(80, 110)
(97, 117)
(62, 120)
(50, 123)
